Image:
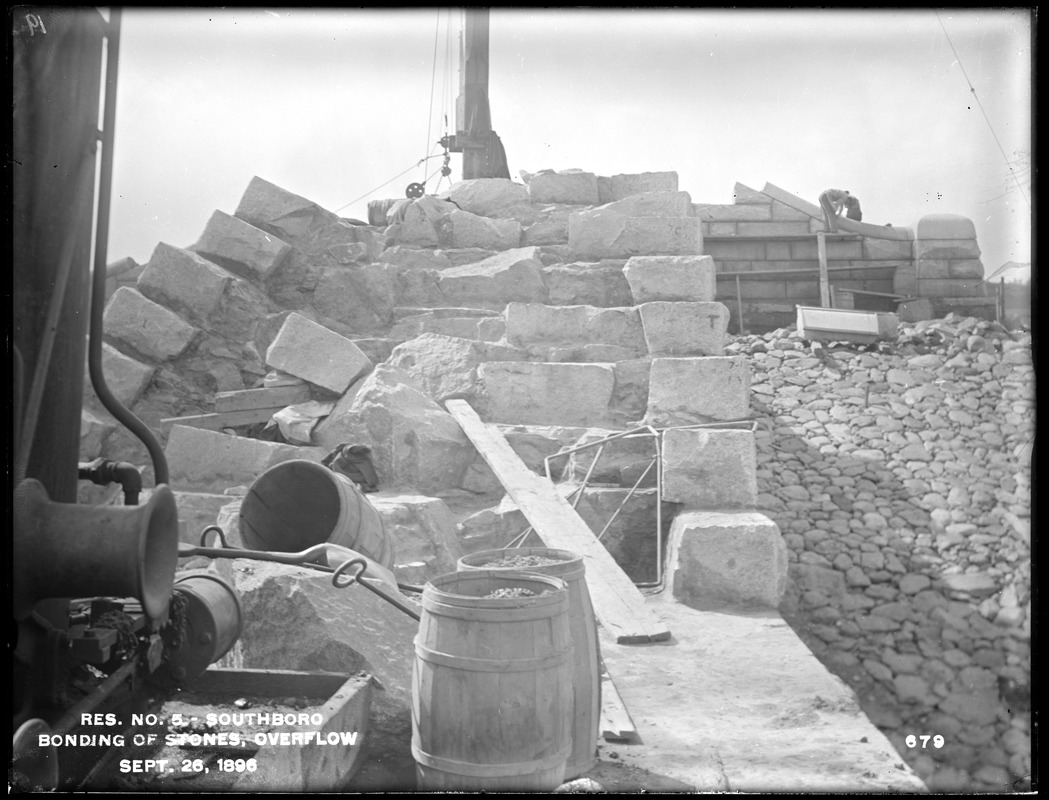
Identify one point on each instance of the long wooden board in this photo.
(618, 603)
(227, 419)
(275, 397)
(616, 723)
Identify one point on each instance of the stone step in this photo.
(468, 323)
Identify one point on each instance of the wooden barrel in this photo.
(586, 676)
(492, 684)
(378, 209)
(298, 504)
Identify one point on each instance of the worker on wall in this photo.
(832, 201)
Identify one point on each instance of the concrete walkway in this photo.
(738, 703)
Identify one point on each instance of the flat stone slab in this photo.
(687, 278)
(208, 461)
(547, 394)
(738, 702)
(710, 468)
(684, 329)
(148, 328)
(685, 391)
(317, 355)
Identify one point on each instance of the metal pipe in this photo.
(620, 435)
(98, 278)
(103, 472)
(625, 499)
(70, 721)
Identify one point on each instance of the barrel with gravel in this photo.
(586, 677)
(492, 683)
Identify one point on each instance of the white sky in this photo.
(331, 104)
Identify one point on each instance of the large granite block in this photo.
(685, 391)
(317, 355)
(719, 560)
(148, 328)
(684, 329)
(709, 468)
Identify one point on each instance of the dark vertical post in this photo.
(473, 116)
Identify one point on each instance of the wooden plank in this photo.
(275, 397)
(618, 603)
(216, 422)
(616, 723)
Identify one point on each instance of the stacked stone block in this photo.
(947, 263)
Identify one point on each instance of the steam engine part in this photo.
(211, 624)
(70, 550)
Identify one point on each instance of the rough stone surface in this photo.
(126, 377)
(587, 283)
(184, 282)
(510, 276)
(446, 366)
(603, 233)
(685, 391)
(622, 459)
(317, 355)
(684, 329)
(538, 326)
(653, 204)
(901, 470)
(239, 247)
(490, 197)
(709, 469)
(415, 443)
(93, 433)
(676, 278)
(316, 636)
(361, 298)
(624, 185)
(717, 559)
(568, 186)
(423, 533)
(148, 328)
(208, 461)
(471, 230)
(548, 394)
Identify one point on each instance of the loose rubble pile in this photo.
(900, 477)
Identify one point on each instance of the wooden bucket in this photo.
(492, 684)
(298, 504)
(586, 676)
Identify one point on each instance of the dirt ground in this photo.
(388, 764)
